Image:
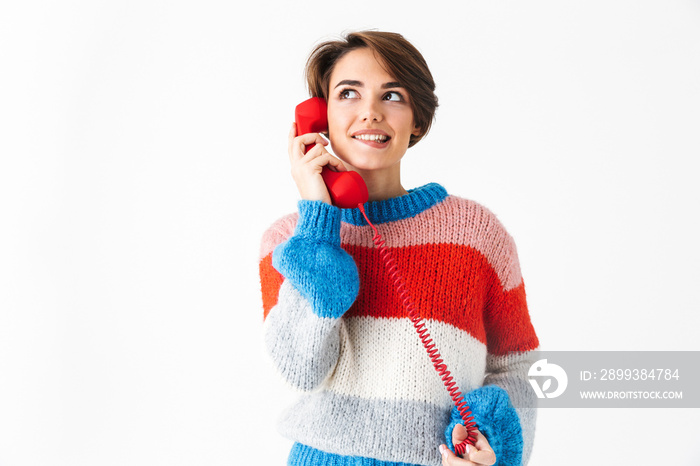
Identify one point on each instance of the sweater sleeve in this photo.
(308, 282)
(511, 342)
(504, 408)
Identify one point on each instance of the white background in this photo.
(143, 154)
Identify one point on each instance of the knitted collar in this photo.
(397, 208)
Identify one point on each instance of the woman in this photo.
(334, 325)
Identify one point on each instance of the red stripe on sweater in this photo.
(270, 281)
(451, 283)
(508, 325)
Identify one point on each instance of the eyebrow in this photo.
(352, 82)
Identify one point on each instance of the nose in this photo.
(371, 111)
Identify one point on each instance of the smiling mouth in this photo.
(380, 138)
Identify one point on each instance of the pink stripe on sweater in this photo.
(278, 233)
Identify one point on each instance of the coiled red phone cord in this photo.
(424, 336)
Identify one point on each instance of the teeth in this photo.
(372, 137)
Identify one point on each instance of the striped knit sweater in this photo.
(336, 330)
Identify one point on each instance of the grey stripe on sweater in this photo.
(390, 430)
(302, 345)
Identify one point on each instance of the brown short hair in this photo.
(402, 60)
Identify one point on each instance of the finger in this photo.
(482, 442)
(320, 151)
(312, 152)
(336, 163)
(325, 159)
(450, 459)
(481, 452)
(296, 144)
(291, 136)
(459, 433)
(309, 139)
(482, 457)
(299, 149)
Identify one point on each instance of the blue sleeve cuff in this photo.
(497, 419)
(318, 221)
(314, 262)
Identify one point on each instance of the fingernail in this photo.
(466, 450)
(442, 448)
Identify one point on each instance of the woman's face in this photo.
(370, 119)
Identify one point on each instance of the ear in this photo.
(416, 130)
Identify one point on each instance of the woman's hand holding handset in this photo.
(479, 454)
(306, 167)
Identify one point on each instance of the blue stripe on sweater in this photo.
(302, 455)
(398, 208)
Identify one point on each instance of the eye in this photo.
(348, 94)
(393, 96)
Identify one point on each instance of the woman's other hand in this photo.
(479, 454)
(306, 168)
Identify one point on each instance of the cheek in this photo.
(404, 120)
(409, 128)
(334, 120)
(335, 132)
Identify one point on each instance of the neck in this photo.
(382, 184)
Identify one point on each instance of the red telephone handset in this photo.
(347, 189)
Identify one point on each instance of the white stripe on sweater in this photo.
(384, 358)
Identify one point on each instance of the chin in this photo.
(353, 163)
(366, 163)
